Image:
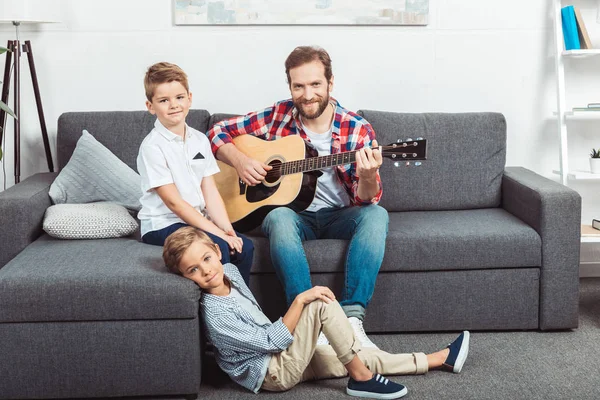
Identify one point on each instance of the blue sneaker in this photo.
(459, 349)
(378, 387)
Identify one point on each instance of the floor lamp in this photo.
(19, 12)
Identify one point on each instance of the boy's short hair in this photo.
(306, 54)
(179, 241)
(163, 72)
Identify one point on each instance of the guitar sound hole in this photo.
(274, 174)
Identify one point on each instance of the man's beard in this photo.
(322, 101)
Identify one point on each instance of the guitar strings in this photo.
(277, 170)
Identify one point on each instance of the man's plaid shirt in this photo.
(349, 132)
(243, 348)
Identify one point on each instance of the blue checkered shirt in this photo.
(242, 347)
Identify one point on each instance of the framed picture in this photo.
(301, 12)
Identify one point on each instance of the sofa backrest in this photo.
(121, 132)
(466, 152)
(218, 117)
(466, 155)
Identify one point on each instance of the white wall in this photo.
(475, 55)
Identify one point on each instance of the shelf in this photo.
(581, 53)
(579, 175)
(582, 115)
(589, 234)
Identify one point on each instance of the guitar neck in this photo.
(317, 163)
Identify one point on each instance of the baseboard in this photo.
(589, 269)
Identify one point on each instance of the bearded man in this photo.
(345, 203)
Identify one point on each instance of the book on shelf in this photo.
(596, 223)
(570, 31)
(584, 38)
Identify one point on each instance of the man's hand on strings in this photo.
(368, 161)
(251, 171)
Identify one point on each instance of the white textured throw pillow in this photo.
(88, 221)
(94, 173)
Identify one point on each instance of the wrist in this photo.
(370, 179)
(240, 160)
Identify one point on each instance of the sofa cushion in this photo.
(94, 174)
(432, 241)
(463, 239)
(121, 132)
(466, 154)
(88, 221)
(104, 279)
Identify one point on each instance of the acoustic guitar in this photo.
(293, 180)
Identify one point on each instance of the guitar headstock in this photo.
(403, 152)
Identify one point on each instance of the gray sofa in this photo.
(471, 245)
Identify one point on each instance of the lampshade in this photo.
(29, 11)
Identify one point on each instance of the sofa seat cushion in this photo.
(431, 240)
(465, 239)
(90, 280)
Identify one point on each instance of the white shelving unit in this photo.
(588, 234)
(563, 114)
(580, 53)
(560, 88)
(582, 115)
(579, 175)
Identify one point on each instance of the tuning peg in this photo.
(408, 164)
(409, 140)
(399, 141)
(418, 163)
(419, 138)
(396, 164)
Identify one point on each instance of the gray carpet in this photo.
(501, 365)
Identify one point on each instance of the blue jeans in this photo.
(365, 226)
(241, 260)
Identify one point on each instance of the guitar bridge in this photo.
(242, 187)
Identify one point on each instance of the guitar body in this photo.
(293, 180)
(247, 206)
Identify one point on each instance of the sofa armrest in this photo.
(22, 208)
(554, 211)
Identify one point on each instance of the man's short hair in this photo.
(306, 54)
(163, 72)
(179, 241)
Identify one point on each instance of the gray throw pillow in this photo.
(94, 173)
(88, 221)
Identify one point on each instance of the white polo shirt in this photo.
(164, 158)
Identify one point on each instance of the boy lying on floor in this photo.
(258, 354)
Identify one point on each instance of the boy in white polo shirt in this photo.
(176, 165)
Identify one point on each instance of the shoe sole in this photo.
(371, 395)
(462, 353)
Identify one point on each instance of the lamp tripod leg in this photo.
(38, 100)
(17, 109)
(5, 87)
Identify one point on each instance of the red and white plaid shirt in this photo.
(350, 132)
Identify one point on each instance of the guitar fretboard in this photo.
(316, 163)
